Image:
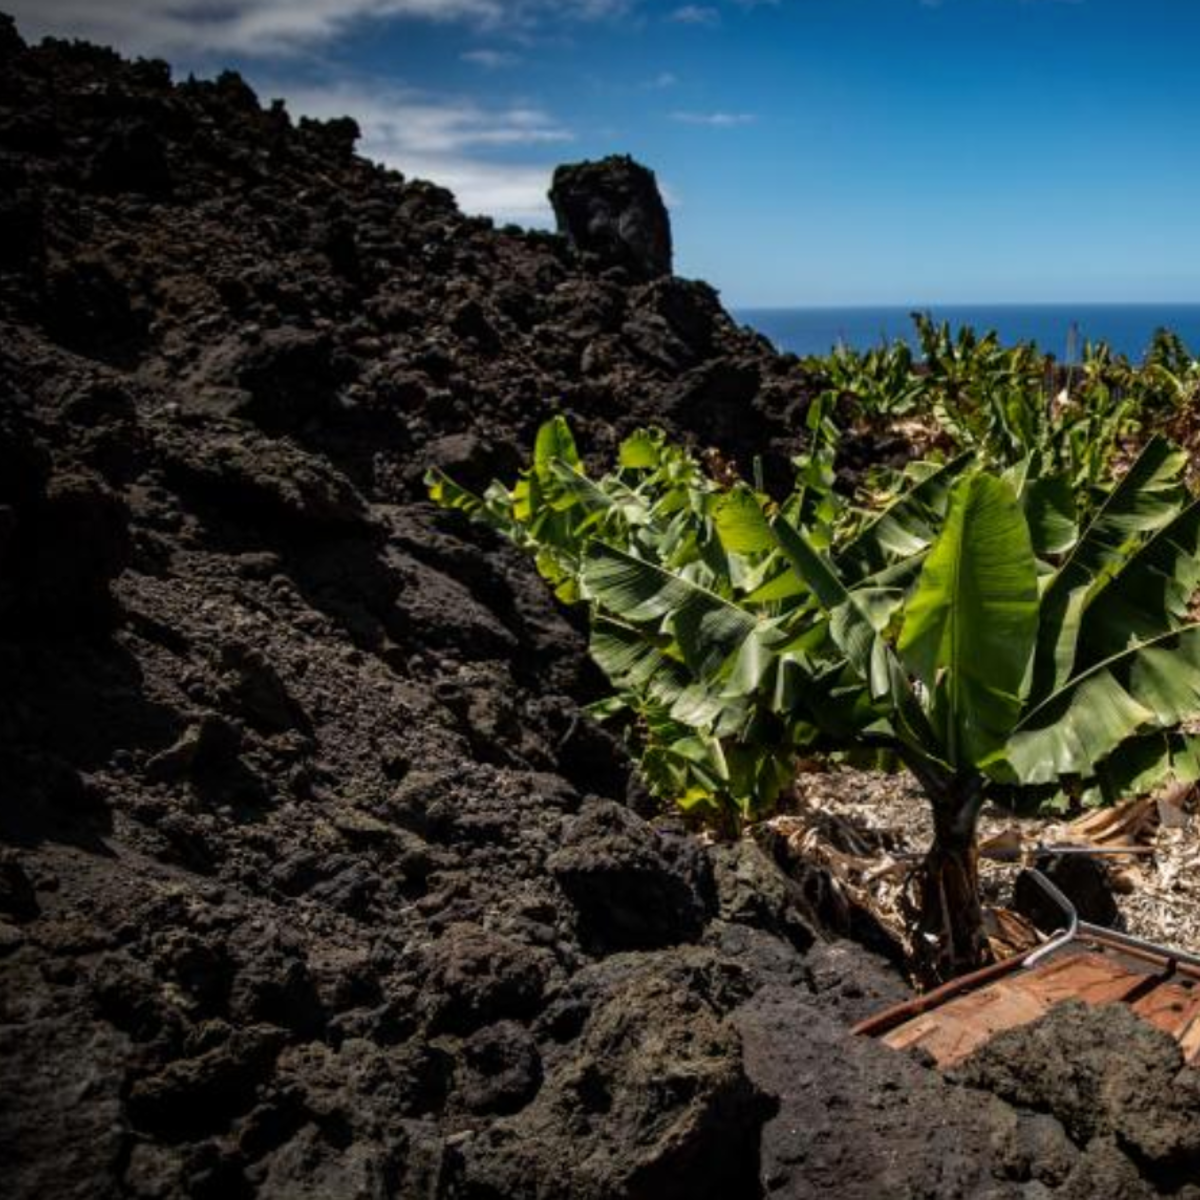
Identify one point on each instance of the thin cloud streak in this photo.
(696, 14)
(714, 120)
(491, 60)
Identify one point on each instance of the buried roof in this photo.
(1097, 968)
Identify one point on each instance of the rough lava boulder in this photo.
(612, 209)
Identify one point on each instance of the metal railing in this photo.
(1076, 928)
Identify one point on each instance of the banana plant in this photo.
(881, 382)
(1006, 673)
(1170, 376)
(992, 647)
(721, 659)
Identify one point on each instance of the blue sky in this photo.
(812, 151)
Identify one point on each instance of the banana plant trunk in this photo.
(949, 935)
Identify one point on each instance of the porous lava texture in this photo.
(315, 881)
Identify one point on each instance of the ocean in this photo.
(1058, 329)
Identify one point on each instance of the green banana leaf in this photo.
(1142, 765)
(632, 659)
(854, 630)
(1149, 594)
(554, 441)
(906, 527)
(1048, 501)
(850, 625)
(1155, 685)
(1148, 497)
(971, 625)
(641, 450)
(741, 523)
(1049, 504)
(707, 628)
(445, 493)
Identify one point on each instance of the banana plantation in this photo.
(1010, 616)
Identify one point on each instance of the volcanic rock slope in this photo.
(314, 880)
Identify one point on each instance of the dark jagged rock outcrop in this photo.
(612, 209)
(315, 877)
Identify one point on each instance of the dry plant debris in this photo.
(868, 829)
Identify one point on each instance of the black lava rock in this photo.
(612, 208)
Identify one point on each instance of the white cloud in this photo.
(192, 28)
(714, 120)
(509, 193)
(696, 14)
(489, 59)
(664, 79)
(266, 27)
(399, 119)
(440, 139)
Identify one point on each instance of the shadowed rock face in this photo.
(612, 209)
